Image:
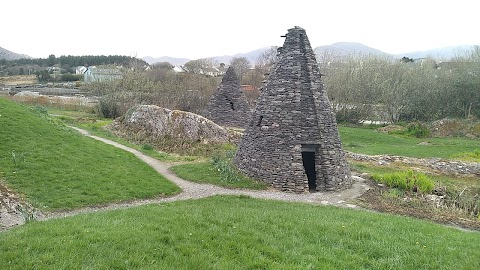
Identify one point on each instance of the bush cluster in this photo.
(185, 91)
(407, 180)
(381, 88)
(417, 130)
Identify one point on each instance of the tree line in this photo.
(159, 86)
(72, 60)
(359, 88)
(68, 63)
(379, 88)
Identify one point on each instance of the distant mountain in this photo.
(333, 51)
(342, 49)
(172, 60)
(8, 55)
(252, 56)
(440, 53)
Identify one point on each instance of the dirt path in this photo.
(192, 190)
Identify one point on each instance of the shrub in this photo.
(406, 180)
(475, 130)
(352, 116)
(147, 147)
(108, 108)
(417, 130)
(41, 110)
(465, 201)
(68, 77)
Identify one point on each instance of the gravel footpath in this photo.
(192, 190)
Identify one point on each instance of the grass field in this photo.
(56, 168)
(95, 125)
(205, 172)
(238, 233)
(367, 141)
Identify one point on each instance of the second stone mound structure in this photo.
(228, 105)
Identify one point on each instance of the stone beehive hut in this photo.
(292, 139)
(228, 105)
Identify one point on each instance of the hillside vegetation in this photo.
(238, 233)
(56, 168)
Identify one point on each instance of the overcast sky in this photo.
(197, 29)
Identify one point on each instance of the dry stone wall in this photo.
(293, 124)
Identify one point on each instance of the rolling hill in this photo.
(336, 49)
(172, 60)
(252, 56)
(348, 48)
(9, 55)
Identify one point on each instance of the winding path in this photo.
(192, 190)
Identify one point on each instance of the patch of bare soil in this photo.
(381, 199)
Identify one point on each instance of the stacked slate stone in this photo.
(228, 105)
(292, 139)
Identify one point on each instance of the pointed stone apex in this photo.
(230, 75)
(230, 71)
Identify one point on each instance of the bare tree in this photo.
(198, 66)
(241, 65)
(261, 70)
(329, 57)
(267, 59)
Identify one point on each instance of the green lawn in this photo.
(95, 125)
(58, 168)
(226, 232)
(367, 141)
(205, 173)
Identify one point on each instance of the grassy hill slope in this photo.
(226, 232)
(56, 167)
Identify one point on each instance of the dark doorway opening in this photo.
(308, 158)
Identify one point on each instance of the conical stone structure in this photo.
(228, 105)
(292, 139)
